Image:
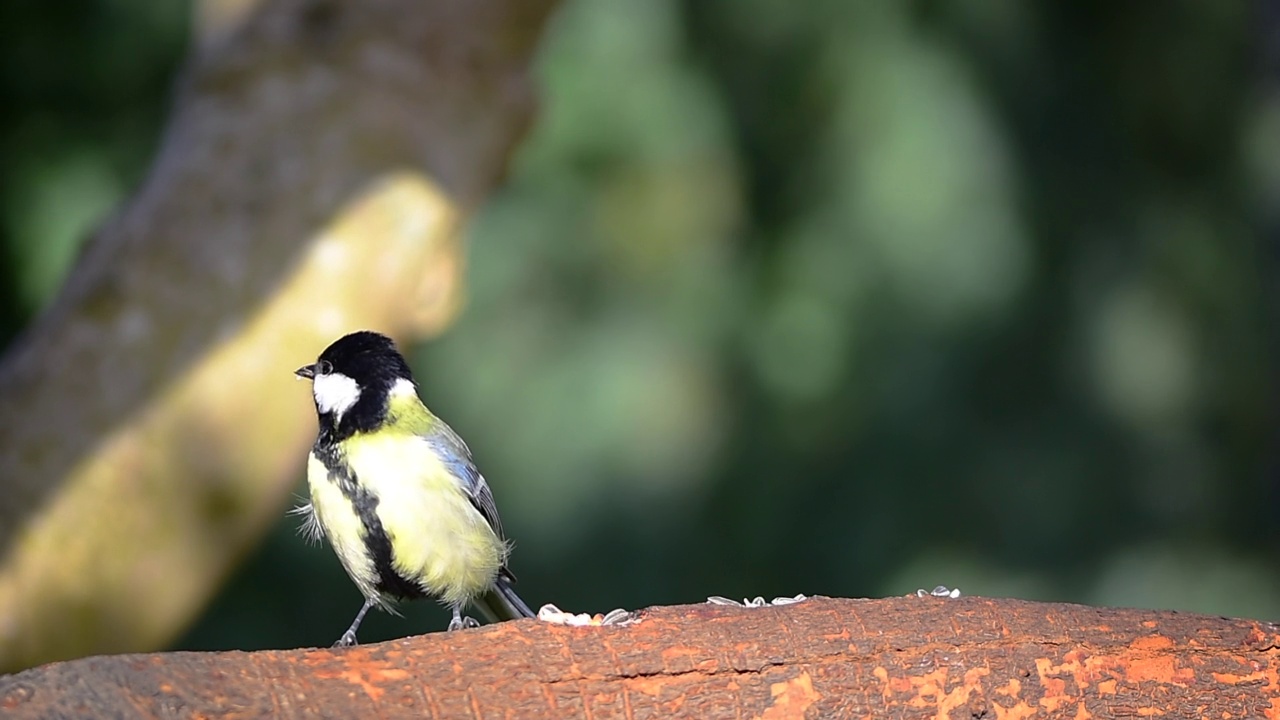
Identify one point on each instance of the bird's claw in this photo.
(460, 622)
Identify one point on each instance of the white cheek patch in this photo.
(335, 393)
(404, 387)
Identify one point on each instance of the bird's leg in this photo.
(349, 637)
(458, 622)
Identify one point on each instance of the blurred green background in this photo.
(782, 297)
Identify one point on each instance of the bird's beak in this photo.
(306, 371)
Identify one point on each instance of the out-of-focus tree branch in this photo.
(317, 164)
(827, 658)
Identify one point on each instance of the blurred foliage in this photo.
(815, 297)
(85, 82)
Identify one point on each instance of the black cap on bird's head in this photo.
(353, 377)
(364, 356)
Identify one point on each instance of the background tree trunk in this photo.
(829, 658)
(317, 165)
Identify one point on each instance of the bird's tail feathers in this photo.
(501, 602)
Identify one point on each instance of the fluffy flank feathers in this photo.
(310, 529)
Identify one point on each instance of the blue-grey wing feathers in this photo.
(453, 452)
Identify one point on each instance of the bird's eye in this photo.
(324, 367)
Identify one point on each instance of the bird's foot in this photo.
(459, 622)
(349, 637)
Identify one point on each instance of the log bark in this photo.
(822, 658)
(318, 162)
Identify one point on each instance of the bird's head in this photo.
(354, 377)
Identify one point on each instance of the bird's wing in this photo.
(456, 456)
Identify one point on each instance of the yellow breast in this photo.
(438, 538)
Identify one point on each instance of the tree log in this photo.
(822, 658)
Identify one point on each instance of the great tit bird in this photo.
(396, 493)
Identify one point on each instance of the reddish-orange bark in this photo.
(823, 658)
